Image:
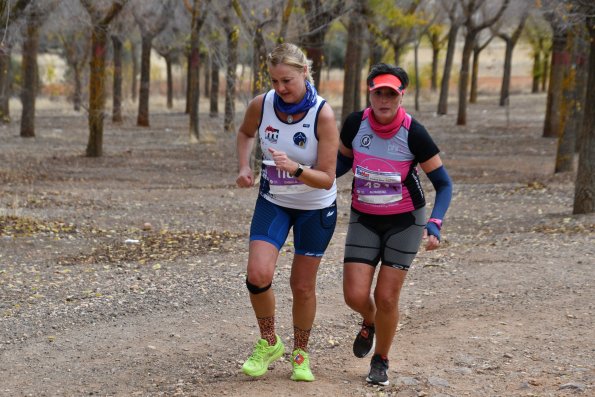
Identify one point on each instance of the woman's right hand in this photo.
(245, 177)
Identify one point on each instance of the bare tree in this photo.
(478, 47)
(573, 93)
(121, 28)
(199, 13)
(75, 39)
(584, 196)
(171, 44)
(101, 15)
(456, 17)
(473, 26)
(555, 13)
(9, 15)
(152, 17)
(318, 17)
(36, 15)
(255, 18)
(510, 33)
(232, 34)
(353, 60)
(538, 34)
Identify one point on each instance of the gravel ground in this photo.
(124, 275)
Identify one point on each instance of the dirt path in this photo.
(506, 308)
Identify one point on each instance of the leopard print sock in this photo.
(267, 329)
(300, 338)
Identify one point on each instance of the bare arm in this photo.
(245, 141)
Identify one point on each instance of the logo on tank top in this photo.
(366, 141)
(271, 134)
(300, 139)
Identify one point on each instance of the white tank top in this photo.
(300, 141)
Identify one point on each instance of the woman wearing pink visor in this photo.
(383, 145)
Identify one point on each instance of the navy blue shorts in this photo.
(312, 229)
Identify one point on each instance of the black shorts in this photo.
(392, 239)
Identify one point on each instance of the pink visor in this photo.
(387, 80)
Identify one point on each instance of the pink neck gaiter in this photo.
(385, 131)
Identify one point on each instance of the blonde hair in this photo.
(290, 55)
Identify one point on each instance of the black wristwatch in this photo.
(298, 172)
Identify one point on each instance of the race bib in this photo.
(377, 187)
(280, 182)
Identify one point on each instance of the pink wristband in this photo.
(438, 222)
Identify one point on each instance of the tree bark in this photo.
(134, 85)
(97, 92)
(536, 72)
(30, 78)
(584, 195)
(464, 79)
(97, 75)
(474, 75)
(444, 84)
(505, 87)
(560, 60)
(230, 75)
(352, 78)
(145, 82)
(170, 82)
(77, 96)
(5, 78)
(214, 92)
(117, 83)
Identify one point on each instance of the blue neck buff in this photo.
(306, 103)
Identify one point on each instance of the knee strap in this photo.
(256, 290)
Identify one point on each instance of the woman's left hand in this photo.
(432, 242)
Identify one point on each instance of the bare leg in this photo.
(262, 259)
(357, 284)
(303, 288)
(386, 296)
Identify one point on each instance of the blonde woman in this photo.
(299, 140)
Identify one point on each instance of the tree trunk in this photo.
(188, 80)
(351, 79)
(315, 53)
(259, 73)
(444, 84)
(584, 195)
(231, 78)
(134, 70)
(505, 87)
(464, 79)
(29, 70)
(560, 61)
(117, 83)
(545, 70)
(170, 82)
(474, 75)
(97, 92)
(145, 82)
(214, 97)
(434, 77)
(77, 97)
(416, 68)
(566, 136)
(194, 84)
(536, 72)
(5, 78)
(205, 60)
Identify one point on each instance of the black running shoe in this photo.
(364, 341)
(378, 369)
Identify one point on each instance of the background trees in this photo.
(105, 38)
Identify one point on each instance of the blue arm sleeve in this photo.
(344, 164)
(443, 186)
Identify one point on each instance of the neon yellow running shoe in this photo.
(258, 363)
(301, 366)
